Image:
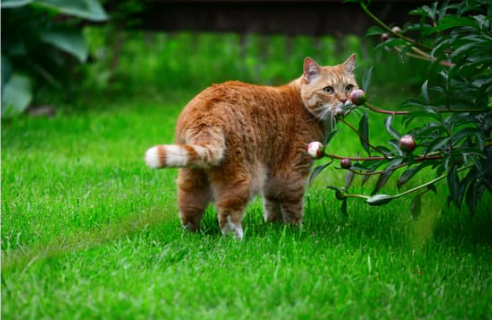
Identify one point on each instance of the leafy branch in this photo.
(381, 199)
(441, 110)
(454, 138)
(388, 29)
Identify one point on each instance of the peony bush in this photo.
(451, 121)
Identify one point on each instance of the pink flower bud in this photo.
(345, 163)
(316, 149)
(358, 97)
(339, 113)
(407, 143)
(396, 30)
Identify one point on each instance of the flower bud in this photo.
(358, 97)
(316, 149)
(407, 143)
(384, 37)
(339, 113)
(396, 30)
(345, 163)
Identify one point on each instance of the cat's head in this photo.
(325, 88)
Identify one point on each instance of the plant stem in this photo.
(418, 159)
(399, 195)
(334, 156)
(375, 109)
(427, 184)
(361, 196)
(379, 172)
(424, 56)
(386, 28)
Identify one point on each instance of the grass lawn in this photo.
(88, 231)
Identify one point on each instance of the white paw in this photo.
(237, 231)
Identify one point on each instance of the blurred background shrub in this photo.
(43, 38)
(65, 52)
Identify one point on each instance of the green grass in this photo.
(89, 232)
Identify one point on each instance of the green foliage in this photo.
(453, 131)
(33, 49)
(166, 62)
(16, 95)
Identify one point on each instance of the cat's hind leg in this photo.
(292, 200)
(292, 209)
(271, 209)
(194, 194)
(232, 196)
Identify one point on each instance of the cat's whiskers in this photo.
(321, 107)
(325, 112)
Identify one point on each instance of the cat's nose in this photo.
(343, 100)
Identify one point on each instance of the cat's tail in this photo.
(203, 153)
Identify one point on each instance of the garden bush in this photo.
(448, 127)
(43, 39)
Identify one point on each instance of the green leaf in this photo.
(388, 122)
(474, 192)
(466, 132)
(338, 192)
(366, 79)
(69, 40)
(387, 152)
(425, 92)
(409, 173)
(17, 95)
(330, 136)
(396, 147)
(365, 179)
(419, 12)
(364, 131)
(437, 144)
(344, 207)
(416, 206)
(404, 51)
(453, 21)
(349, 178)
(432, 188)
(383, 178)
(372, 31)
(317, 171)
(379, 199)
(88, 9)
(391, 43)
(14, 3)
(455, 188)
(6, 71)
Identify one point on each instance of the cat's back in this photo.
(234, 93)
(228, 102)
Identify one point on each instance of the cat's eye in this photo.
(328, 90)
(349, 87)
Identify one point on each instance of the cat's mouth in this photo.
(325, 111)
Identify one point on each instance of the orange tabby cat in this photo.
(235, 140)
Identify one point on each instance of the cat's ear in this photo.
(349, 64)
(311, 69)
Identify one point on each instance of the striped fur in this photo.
(202, 155)
(235, 140)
